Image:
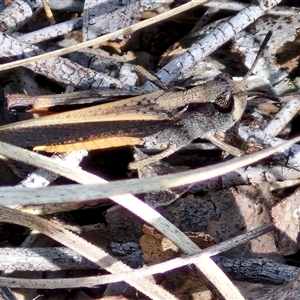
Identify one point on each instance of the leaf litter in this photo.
(209, 212)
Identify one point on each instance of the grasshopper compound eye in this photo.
(225, 101)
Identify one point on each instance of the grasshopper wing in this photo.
(119, 123)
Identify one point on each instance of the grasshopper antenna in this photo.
(263, 95)
(259, 54)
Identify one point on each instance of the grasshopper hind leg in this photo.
(154, 158)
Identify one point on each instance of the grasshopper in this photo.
(162, 119)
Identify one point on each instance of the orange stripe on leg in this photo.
(92, 144)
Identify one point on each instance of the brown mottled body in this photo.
(162, 119)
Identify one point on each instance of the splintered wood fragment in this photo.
(143, 74)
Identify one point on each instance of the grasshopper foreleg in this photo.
(210, 136)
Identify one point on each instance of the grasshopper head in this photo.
(239, 91)
(229, 109)
(232, 102)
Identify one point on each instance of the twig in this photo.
(237, 6)
(21, 12)
(283, 117)
(137, 207)
(216, 38)
(48, 12)
(57, 68)
(51, 31)
(103, 38)
(95, 254)
(145, 271)
(57, 194)
(42, 259)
